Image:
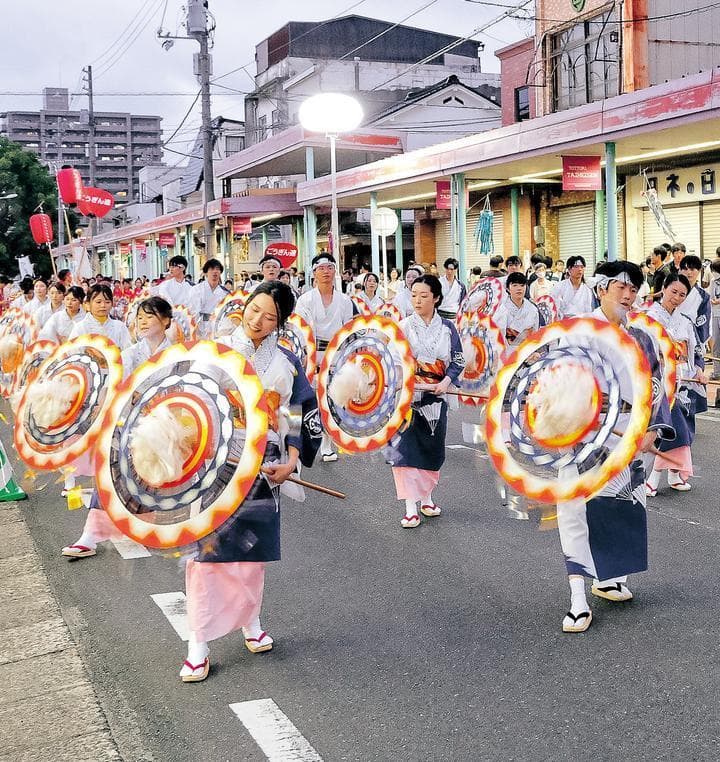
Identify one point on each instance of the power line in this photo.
(182, 121)
(122, 34)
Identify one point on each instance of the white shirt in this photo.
(375, 303)
(516, 322)
(115, 330)
(44, 313)
(59, 325)
(452, 293)
(34, 305)
(571, 301)
(136, 354)
(204, 299)
(325, 321)
(403, 301)
(176, 292)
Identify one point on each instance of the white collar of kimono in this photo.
(260, 358)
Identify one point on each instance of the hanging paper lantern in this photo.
(95, 202)
(70, 185)
(285, 252)
(41, 228)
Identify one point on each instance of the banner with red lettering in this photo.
(166, 239)
(442, 194)
(241, 226)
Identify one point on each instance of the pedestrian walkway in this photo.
(48, 709)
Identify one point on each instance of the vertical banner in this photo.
(241, 226)
(442, 194)
(581, 173)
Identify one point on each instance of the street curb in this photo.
(48, 708)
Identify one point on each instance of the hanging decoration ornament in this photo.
(665, 350)
(484, 297)
(297, 336)
(70, 185)
(60, 412)
(557, 426)
(182, 444)
(547, 308)
(366, 383)
(484, 230)
(483, 347)
(227, 316)
(41, 229)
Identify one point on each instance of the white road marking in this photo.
(129, 549)
(175, 610)
(273, 732)
(465, 447)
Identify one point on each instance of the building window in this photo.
(234, 144)
(522, 103)
(262, 127)
(584, 62)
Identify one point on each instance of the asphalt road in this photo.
(438, 643)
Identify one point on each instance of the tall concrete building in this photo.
(124, 143)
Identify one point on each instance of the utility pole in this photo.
(60, 220)
(92, 156)
(197, 28)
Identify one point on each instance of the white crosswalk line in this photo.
(175, 610)
(129, 549)
(273, 732)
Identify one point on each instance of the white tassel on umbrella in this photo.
(351, 383)
(49, 401)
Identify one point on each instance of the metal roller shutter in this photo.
(443, 242)
(576, 229)
(710, 230)
(685, 221)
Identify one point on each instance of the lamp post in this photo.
(333, 114)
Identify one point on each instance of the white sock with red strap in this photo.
(411, 508)
(428, 500)
(254, 629)
(197, 650)
(87, 540)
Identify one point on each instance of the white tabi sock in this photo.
(411, 508)
(87, 540)
(327, 446)
(674, 477)
(578, 601)
(428, 499)
(197, 650)
(254, 629)
(653, 481)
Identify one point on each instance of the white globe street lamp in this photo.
(384, 222)
(333, 114)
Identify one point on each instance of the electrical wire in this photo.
(122, 34)
(183, 120)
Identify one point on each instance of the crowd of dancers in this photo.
(603, 538)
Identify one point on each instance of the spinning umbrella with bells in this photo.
(389, 310)
(366, 384)
(297, 336)
(557, 427)
(59, 414)
(665, 377)
(15, 336)
(547, 308)
(484, 297)
(227, 316)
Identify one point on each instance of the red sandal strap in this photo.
(410, 518)
(194, 667)
(257, 640)
(79, 547)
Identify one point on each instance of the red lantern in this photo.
(41, 228)
(95, 202)
(70, 185)
(285, 252)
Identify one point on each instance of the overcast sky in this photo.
(46, 44)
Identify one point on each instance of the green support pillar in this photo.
(298, 228)
(599, 225)
(190, 250)
(458, 214)
(515, 219)
(310, 221)
(399, 258)
(611, 201)
(374, 238)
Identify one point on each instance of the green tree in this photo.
(22, 173)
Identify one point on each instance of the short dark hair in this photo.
(715, 265)
(369, 275)
(58, 285)
(660, 251)
(178, 260)
(451, 262)
(575, 259)
(515, 278)
(62, 274)
(77, 292)
(434, 283)
(677, 246)
(99, 289)
(513, 259)
(477, 270)
(213, 264)
(496, 261)
(690, 262)
(613, 269)
(156, 305)
(679, 278)
(280, 293)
